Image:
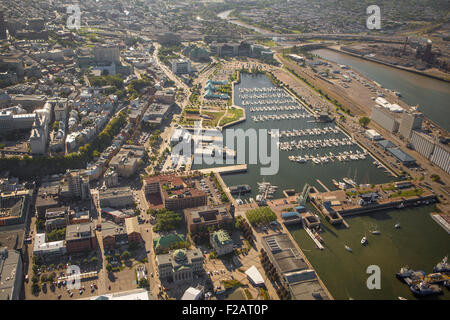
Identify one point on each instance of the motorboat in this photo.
(407, 274)
(397, 225)
(348, 248)
(442, 266)
(364, 241)
(377, 232)
(424, 289)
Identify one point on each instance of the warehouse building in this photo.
(301, 282)
(11, 274)
(422, 143)
(385, 118)
(441, 157)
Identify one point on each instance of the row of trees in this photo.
(56, 235)
(261, 216)
(273, 275)
(167, 220)
(26, 166)
(243, 225)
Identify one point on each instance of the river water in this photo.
(420, 243)
(431, 95)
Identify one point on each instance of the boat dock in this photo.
(441, 221)
(225, 170)
(323, 186)
(317, 242)
(335, 205)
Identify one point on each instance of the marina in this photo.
(386, 246)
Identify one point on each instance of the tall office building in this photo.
(78, 184)
(107, 53)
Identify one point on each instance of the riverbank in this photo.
(391, 65)
(430, 95)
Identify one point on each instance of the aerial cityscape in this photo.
(224, 150)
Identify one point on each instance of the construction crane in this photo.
(404, 47)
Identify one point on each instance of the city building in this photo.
(386, 119)
(432, 149)
(14, 207)
(78, 184)
(80, 237)
(11, 274)
(29, 102)
(164, 242)
(119, 197)
(402, 156)
(111, 178)
(169, 38)
(126, 161)
(301, 282)
(179, 265)
(136, 294)
(422, 143)
(411, 120)
(133, 230)
(181, 66)
(193, 293)
(13, 122)
(221, 242)
(255, 276)
(174, 192)
(441, 157)
(42, 248)
(56, 218)
(373, 135)
(113, 234)
(166, 96)
(107, 53)
(204, 217)
(118, 216)
(39, 131)
(50, 195)
(61, 109)
(156, 113)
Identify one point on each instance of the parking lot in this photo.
(208, 185)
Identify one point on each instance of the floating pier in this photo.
(317, 242)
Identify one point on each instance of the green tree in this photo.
(35, 288)
(143, 283)
(126, 255)
(364, 121)
(109, 267)
(435, 178)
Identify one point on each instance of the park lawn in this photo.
(233, 114)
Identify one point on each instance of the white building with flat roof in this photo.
(137, 294)
(192, 294)
(43, 248)
(255, 276)
(373, 135)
